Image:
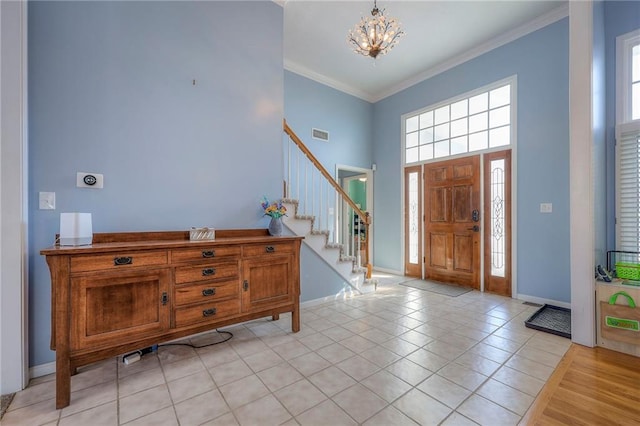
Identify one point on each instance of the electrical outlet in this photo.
(89, 180)
(47, 200)
(546, 207)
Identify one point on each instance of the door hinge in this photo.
(165, 298)
(245, 285)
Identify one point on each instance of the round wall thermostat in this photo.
(90, 180)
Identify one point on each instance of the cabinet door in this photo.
(267, 282)
(119, 307)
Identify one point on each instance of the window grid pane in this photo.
(426, 136)
(478, 122)
(472, 124)
(442, 131)
(426, 152)
(499, 136)
(411, 124)
(441, 149)
(635, 101)
(635, 63)
(442, 115)
(459, 109)
(412, 139)
(479, 103)
(459, 127)
(426, 119)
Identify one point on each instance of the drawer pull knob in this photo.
(208, 291)
(125, 260)
(165, 298)
(245, 285)
(208, 271)
(269, 249)
(208, 253)
(209, 312)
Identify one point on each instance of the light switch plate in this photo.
(546, 207)
(47, 200)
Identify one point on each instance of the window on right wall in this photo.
(628, 142)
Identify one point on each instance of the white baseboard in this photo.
(332, 298)
(387, 271)
(542, 301)
(42, 370)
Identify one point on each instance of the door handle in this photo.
(475, 215)
(474, 228)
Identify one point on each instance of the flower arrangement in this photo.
(275, 210)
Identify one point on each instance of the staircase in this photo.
(313, 197)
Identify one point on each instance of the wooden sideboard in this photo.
(131, 290)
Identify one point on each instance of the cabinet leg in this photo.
(275, 317)
(63, 383)
(295, 319)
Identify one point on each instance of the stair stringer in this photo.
(331, 254)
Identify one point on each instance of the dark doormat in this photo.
(551, 319)
(446, 289)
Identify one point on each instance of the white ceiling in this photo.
(438, 35)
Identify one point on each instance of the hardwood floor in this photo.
(590, 386)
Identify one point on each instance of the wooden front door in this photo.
(452, 221)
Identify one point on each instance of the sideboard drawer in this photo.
(117, 261)
(206, 272)
(205, 292)
(206, 312)
(203, 253)
(265, 249)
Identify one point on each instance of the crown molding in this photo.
(534, 25)
(514, 34)
(322, 79)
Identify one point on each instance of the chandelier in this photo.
(376, 35)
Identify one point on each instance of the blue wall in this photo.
(309, 104)
(620, 17)
(110, 91)
(540, 61)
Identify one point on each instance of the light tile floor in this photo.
(398, 356)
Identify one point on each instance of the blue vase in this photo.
(275, 226)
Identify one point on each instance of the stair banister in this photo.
(364, 216)
(324, 172)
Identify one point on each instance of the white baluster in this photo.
(298, 176)
(289, 167)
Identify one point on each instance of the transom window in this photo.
(628, 78)
(473, 122)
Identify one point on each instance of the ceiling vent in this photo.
(322, 135)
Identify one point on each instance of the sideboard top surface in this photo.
(113, 242)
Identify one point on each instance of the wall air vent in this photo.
(322, 135)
